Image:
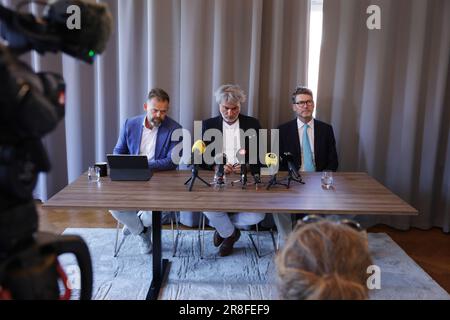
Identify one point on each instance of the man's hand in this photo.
(237, 168)
(228, 168)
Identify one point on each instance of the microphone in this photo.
(81, 33)
(288, 158)
(271, 160)
(241, 157)
(255, 170)
(198, 148)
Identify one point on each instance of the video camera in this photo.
(31, 105)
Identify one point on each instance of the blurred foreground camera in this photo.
(31, 105)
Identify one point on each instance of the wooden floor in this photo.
(429, 248)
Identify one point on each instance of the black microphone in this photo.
(220, 160)
(255, 170)
(241, 157)
(288, 158)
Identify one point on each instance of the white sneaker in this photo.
(146, 241)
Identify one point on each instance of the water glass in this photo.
(219, 182)
(93, 174)
(327, 179)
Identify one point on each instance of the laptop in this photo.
(127, 167)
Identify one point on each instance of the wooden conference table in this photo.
(353, 193)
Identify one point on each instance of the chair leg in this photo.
(257, 245)
(258, 239)
(118, 245)
(198, 236)
(201, 235)
(117, 239)
(277, 246)
(276, 243)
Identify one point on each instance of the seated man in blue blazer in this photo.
(149, 134)
(310, 141)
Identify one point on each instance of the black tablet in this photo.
(127, 167)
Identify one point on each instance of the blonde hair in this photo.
(324, 260)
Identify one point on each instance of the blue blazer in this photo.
(130, 141)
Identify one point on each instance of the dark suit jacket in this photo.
(324, 145)
(130, 141)
(245, 123)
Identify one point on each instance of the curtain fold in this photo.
(386, 94)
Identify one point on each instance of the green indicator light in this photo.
(91, 53)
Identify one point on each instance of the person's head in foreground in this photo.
(324, 260)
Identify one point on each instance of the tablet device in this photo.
(127, 167)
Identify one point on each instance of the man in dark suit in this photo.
(311, 143)
(238, 132)
(148, 134)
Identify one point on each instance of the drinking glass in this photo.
(327, 179)
(93, 174)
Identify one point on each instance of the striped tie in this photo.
(308, 164)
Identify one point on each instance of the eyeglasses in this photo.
(315, 218)
(303, 102)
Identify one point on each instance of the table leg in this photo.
(159, 265)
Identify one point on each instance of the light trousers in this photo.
(135, 221)
(225, 223)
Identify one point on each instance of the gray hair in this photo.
(230, 93)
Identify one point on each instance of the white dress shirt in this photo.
(231, 141)
(310, 133)
(148, 141)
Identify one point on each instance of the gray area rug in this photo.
(240, 276)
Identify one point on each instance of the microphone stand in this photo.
(219, 178)
(243, 178)
(291, 177)
(273, 181)
(195, 176)
(219, 175)
(256, 173)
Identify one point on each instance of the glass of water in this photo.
(93, 174)
(327, 179)
(219, 182)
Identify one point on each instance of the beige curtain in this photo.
(387, 94)
(187, 47)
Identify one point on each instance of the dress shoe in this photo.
(217, 239)
(227, 245)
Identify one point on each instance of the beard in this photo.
(229, 119)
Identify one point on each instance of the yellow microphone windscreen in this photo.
(271, 159)
(200, 146)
